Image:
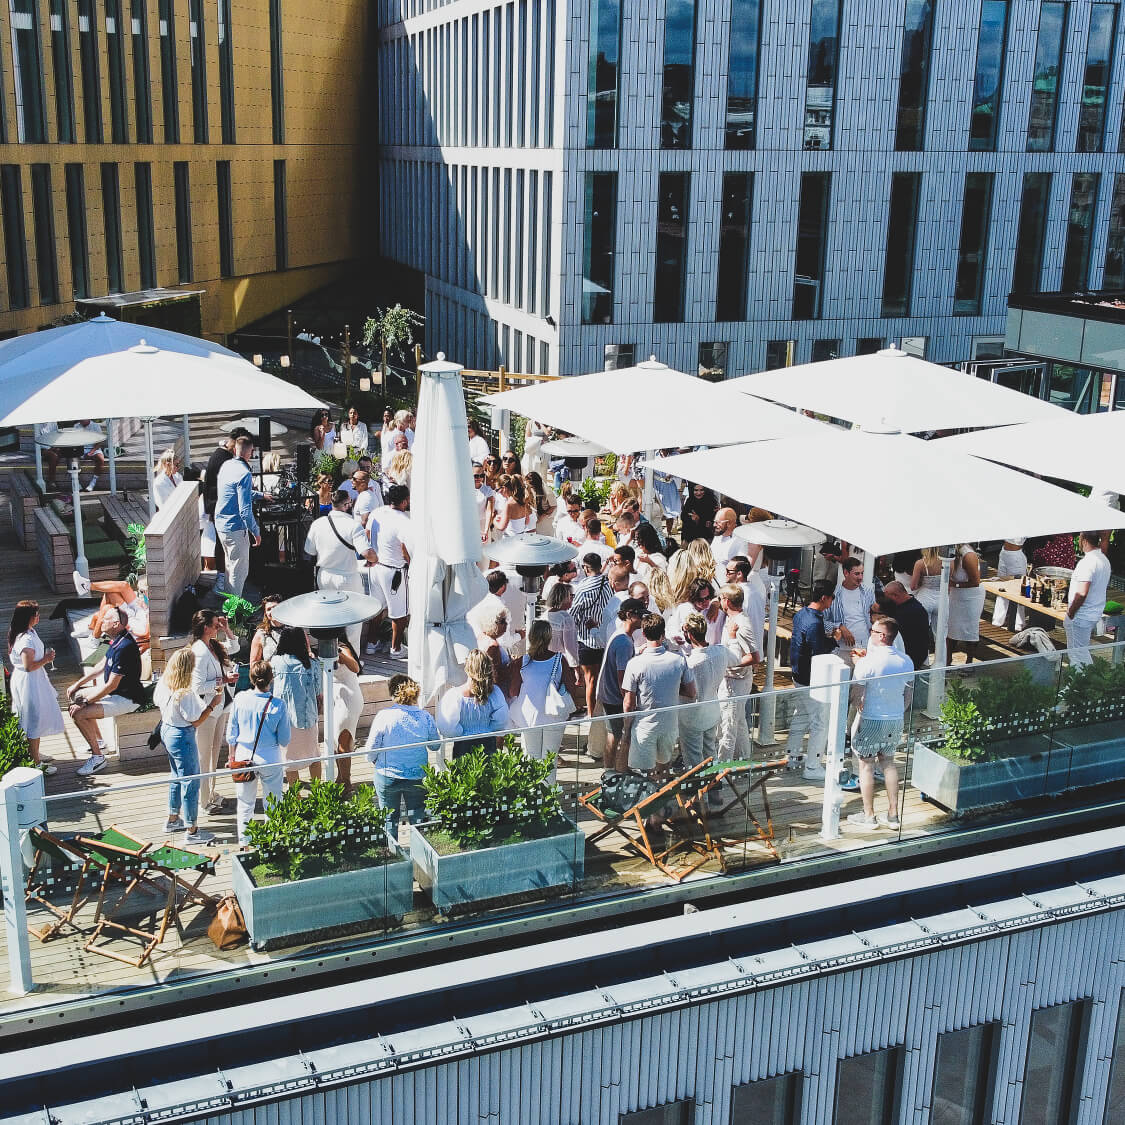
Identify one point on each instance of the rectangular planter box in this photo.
(291, 913)
(1097, 753)
(510, 869)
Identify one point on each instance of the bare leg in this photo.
(866, 768)
(590, 679)
(344, 765)
(890, 780)
(86, 720)
(33, 749)
(398, 630)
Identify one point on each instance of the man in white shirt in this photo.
(849, 618)
(1086, 597)
(478, 444)
(497, 601)
(390, 534)
(367, 498)
(754, 595)
(878, 726)
(724, 546)
(709, 664)
(568, 529)
(337, 541)
(594, 540)
(484, 497)
(738, 637)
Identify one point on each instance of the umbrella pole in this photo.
(80, 562)
(150, 458)
(768, 714)
(868, 568)
(646, 500)
(39, 466)
(936, 690)
(327, 664)
(111, 455)
(187, 440)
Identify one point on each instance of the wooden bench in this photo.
(26, 497)
(120, 513)
(55, 551)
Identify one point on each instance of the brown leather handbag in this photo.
(228, 927)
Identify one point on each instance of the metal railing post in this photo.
(21, 791)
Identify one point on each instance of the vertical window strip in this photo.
(672, 205)
(598, 246)
(198, 72)
(823, 72)
(15, 239)
(91, 72)
(43, 215)
(812, 241)
(1114, 278)
(226, 72)
(169, 86)
(902, 229)
(142, 97)
(914, 76)
(146, 235)
(111, 214)
(734, 247)
(226, 218)
(1049, 53)
(972, 252)
(742, 81)
(963, 1068)
(184, 263)
(277, 74)
(679, 74)
(1031, 235)
(115, 56)
(61, 70)
(76, 230)
(280, 216)
(1096, 78)
(1080, 231)
(603, 89)
(1054, 1061)
(27, 72)
(989, 81)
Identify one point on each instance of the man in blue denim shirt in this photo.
(809, 639)
(234, 514)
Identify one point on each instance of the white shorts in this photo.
(394, 600)
(650, 747)
(114, 705)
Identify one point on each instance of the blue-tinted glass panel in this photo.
(734, 247)
(914, 75)
(91, 72)
(142, 97)
(963, 1074)
(169, 88)
(989, 81)
(824, 63)
(742, 82)
(1049, 50)
(973, 250)
(115, 54)
(671, 247)
(1054, 1060)
(679, 74)
(1031, 238)
(770, 1101)
(1114, 277)
(598, 247)
(867, 1088)
(1080, 231)
(27, 64)
(61, 70)
(1095, 78)
(812, 241)
(902, 227)
(15, 242)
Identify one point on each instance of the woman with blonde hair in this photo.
(966, 603)
(618, 494)
(473, 713)
(539, 672)
(513, 515)
(399, 744)
(699, 551)
(400, 467)
(541, 500)
(181, 711)
(925, 581)
(165, 478)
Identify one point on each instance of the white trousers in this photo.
(807, 717)
(734, 733)
(1011, 562)
(272, 778)
(236, 547)
(209, 738)
(1078, 633)
(695, 745)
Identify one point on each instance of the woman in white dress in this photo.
(925, 581)
(213, 644)
(534, 459)
(966, 602)
(33, 699)
(347, 706)
(512, 514)
(165, 478)
(539, 670)
(354, 433)
(322, 432)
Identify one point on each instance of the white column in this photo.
(150, 457)
(187, 440)
(868, 567)
(829, 678)
(768, 712)
(111, 454)
(21, 805)
(936, 690)
(81, 564)
(38, 461)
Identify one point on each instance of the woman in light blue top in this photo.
(474, 713)
(295, 683)
(401, 738)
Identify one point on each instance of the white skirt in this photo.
(35, 702)
(965, 608)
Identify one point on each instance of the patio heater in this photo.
(531, 554)
(577, 453)
(324, 613)
(768, 534)
(75, 439)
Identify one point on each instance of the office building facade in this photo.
(206, 145)
(730, 184)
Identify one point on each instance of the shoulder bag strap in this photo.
(336, 532)
(261, 723)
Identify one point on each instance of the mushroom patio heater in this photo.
(324, 613)
(771, 534)
(576, 452)
(531, 554)
(75, 438)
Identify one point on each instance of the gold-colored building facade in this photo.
(293, 152)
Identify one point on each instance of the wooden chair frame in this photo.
(57, 850)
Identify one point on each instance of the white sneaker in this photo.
(813, 772)
(49, 770)
(92, 485)
(863, 822)
(81, 584)
(371, 650)
(891, 822)
(92, 764)
(397, 654)
(199, 837)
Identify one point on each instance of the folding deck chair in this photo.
(122, 857)
(56, 862)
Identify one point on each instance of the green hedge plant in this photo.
(14, 750)
(1093, 693)
(997, 709)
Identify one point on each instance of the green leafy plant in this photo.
(481, 799)
(324, 463)
(14, 750)
(240, 614)
(322, 832)
(594, 493)
(136, 553)
(1093, 693)
(999, 708)
(394, 327)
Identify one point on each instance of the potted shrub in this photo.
(498, 829)
(1092, 709)
(320, 864)
(241, 616)
(13, 742)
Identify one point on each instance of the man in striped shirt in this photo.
(591, 596)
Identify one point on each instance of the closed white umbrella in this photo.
(445, 581)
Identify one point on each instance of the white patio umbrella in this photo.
(105, 366)
(895, 390)
(445, 581)
(1085, 448)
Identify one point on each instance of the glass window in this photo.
(780, 353)
(679, 74)
(990, 75)
(812, 239)
(181, 176)
(772, 1101)
(115, 55)
(1114, 277)
(867, 1088)
(825, 349)
(277, 74)
(1031, 236)
(532, 241)
(169, 88)
(1049, 47)
(111, 213)
(742, 81)
(824, 61)
(1115, 1099)
(914, 75)
(1080, 231)
(1077, 389)
(280, 216)
(15, 242)
(27, 72)
(226, 72)
(671, 247)
(142, 97)
(963, 1074)
(868, 345)
(61, 68)
(975, 216)
(713, 361)
(672, 1113)
(226, 218)
(198, 72)
(146, 237)
(902, 228)
(1095, 78)
(1054, 1059)
(91, 73)
(43, 213)
(617, 356)
(76, 230)
(734, 246)
(599, 238)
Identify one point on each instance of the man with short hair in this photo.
(485, 500)
(724, 546)
(709, 664)
(739, 570)
(883, 683)
(849, 618)
(656, 677)
(369, 496)
(234, 514)
(913, 622)
(121, 691)
(591, 595)
(810, 638)
(624, 528)
(1086, 597)
(738, 637)
(594, 540)
(618, 652)
(219, 457)
(569, 528)
(636, 590)
(390, 534)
